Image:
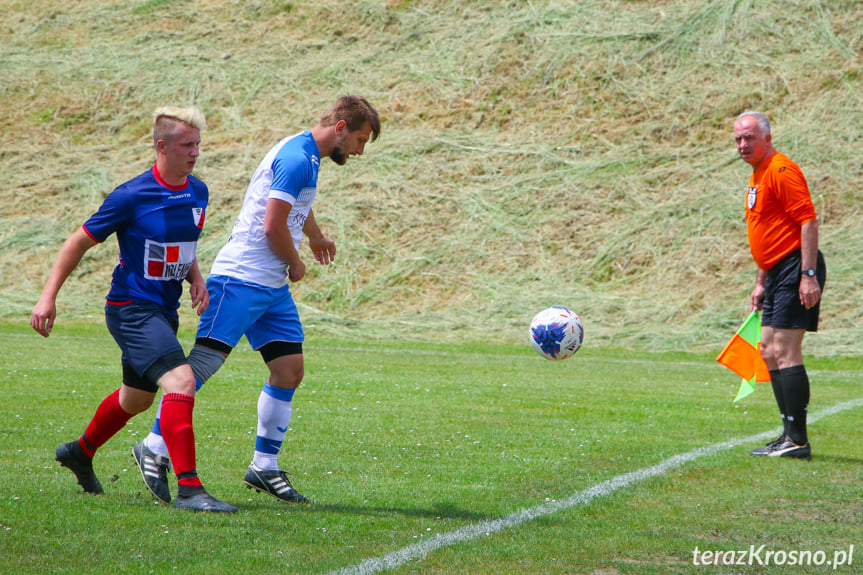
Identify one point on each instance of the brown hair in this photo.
(355, 111)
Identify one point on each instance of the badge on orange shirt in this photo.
(750, 197)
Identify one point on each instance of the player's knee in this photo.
(786, 348)
(767, 353)
(287, 378)
(285, 360)
(180, 380)
(135, 401)
(205, 362)
(182, 386)
(787, 357)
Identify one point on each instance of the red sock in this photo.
(108, 420)
(176, 421)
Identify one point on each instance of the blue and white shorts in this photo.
(237, 308)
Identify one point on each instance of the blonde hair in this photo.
(165, 121)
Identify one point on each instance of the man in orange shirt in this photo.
(783, 237)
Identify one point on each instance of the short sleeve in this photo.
(793, 192)
(290, 175)
(116, 212)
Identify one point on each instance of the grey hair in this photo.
(763, 122)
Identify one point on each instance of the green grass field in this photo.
(412, 452)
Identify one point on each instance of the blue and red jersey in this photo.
(157, 227)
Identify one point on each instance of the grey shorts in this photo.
(147, 336)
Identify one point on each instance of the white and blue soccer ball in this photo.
(556, 333)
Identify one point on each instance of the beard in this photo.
(338, 156)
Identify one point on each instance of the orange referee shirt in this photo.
(777, 204)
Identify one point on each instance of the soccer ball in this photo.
(556, 333)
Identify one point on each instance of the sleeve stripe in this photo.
(94, 238)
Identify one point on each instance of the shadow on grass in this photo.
(438, 511)
(837, 459)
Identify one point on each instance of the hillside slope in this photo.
(575, 153)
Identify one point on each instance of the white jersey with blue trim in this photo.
(289, 172)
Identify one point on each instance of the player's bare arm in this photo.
(279, 237)
(756, 298)
(45, 311)
(323, 248)
(810, 291)
(198, 288)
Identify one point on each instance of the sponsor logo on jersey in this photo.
(297, 220)
(301, 208)
(165, 262)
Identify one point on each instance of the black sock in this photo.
(184, 489)
(795, 389)
(776, 382)
(190, 490)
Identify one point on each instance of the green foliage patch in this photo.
(533, 153)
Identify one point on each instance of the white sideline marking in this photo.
(468, 532)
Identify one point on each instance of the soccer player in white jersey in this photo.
(249, 293)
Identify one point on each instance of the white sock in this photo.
(154, 440)
(156, 444)
(274, 416)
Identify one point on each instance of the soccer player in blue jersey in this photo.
(249, 293)
(157, 218)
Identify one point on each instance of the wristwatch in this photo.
(809, 272)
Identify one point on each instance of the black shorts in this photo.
(147, 335)
(781, 308)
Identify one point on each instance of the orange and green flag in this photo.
(742, 356)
